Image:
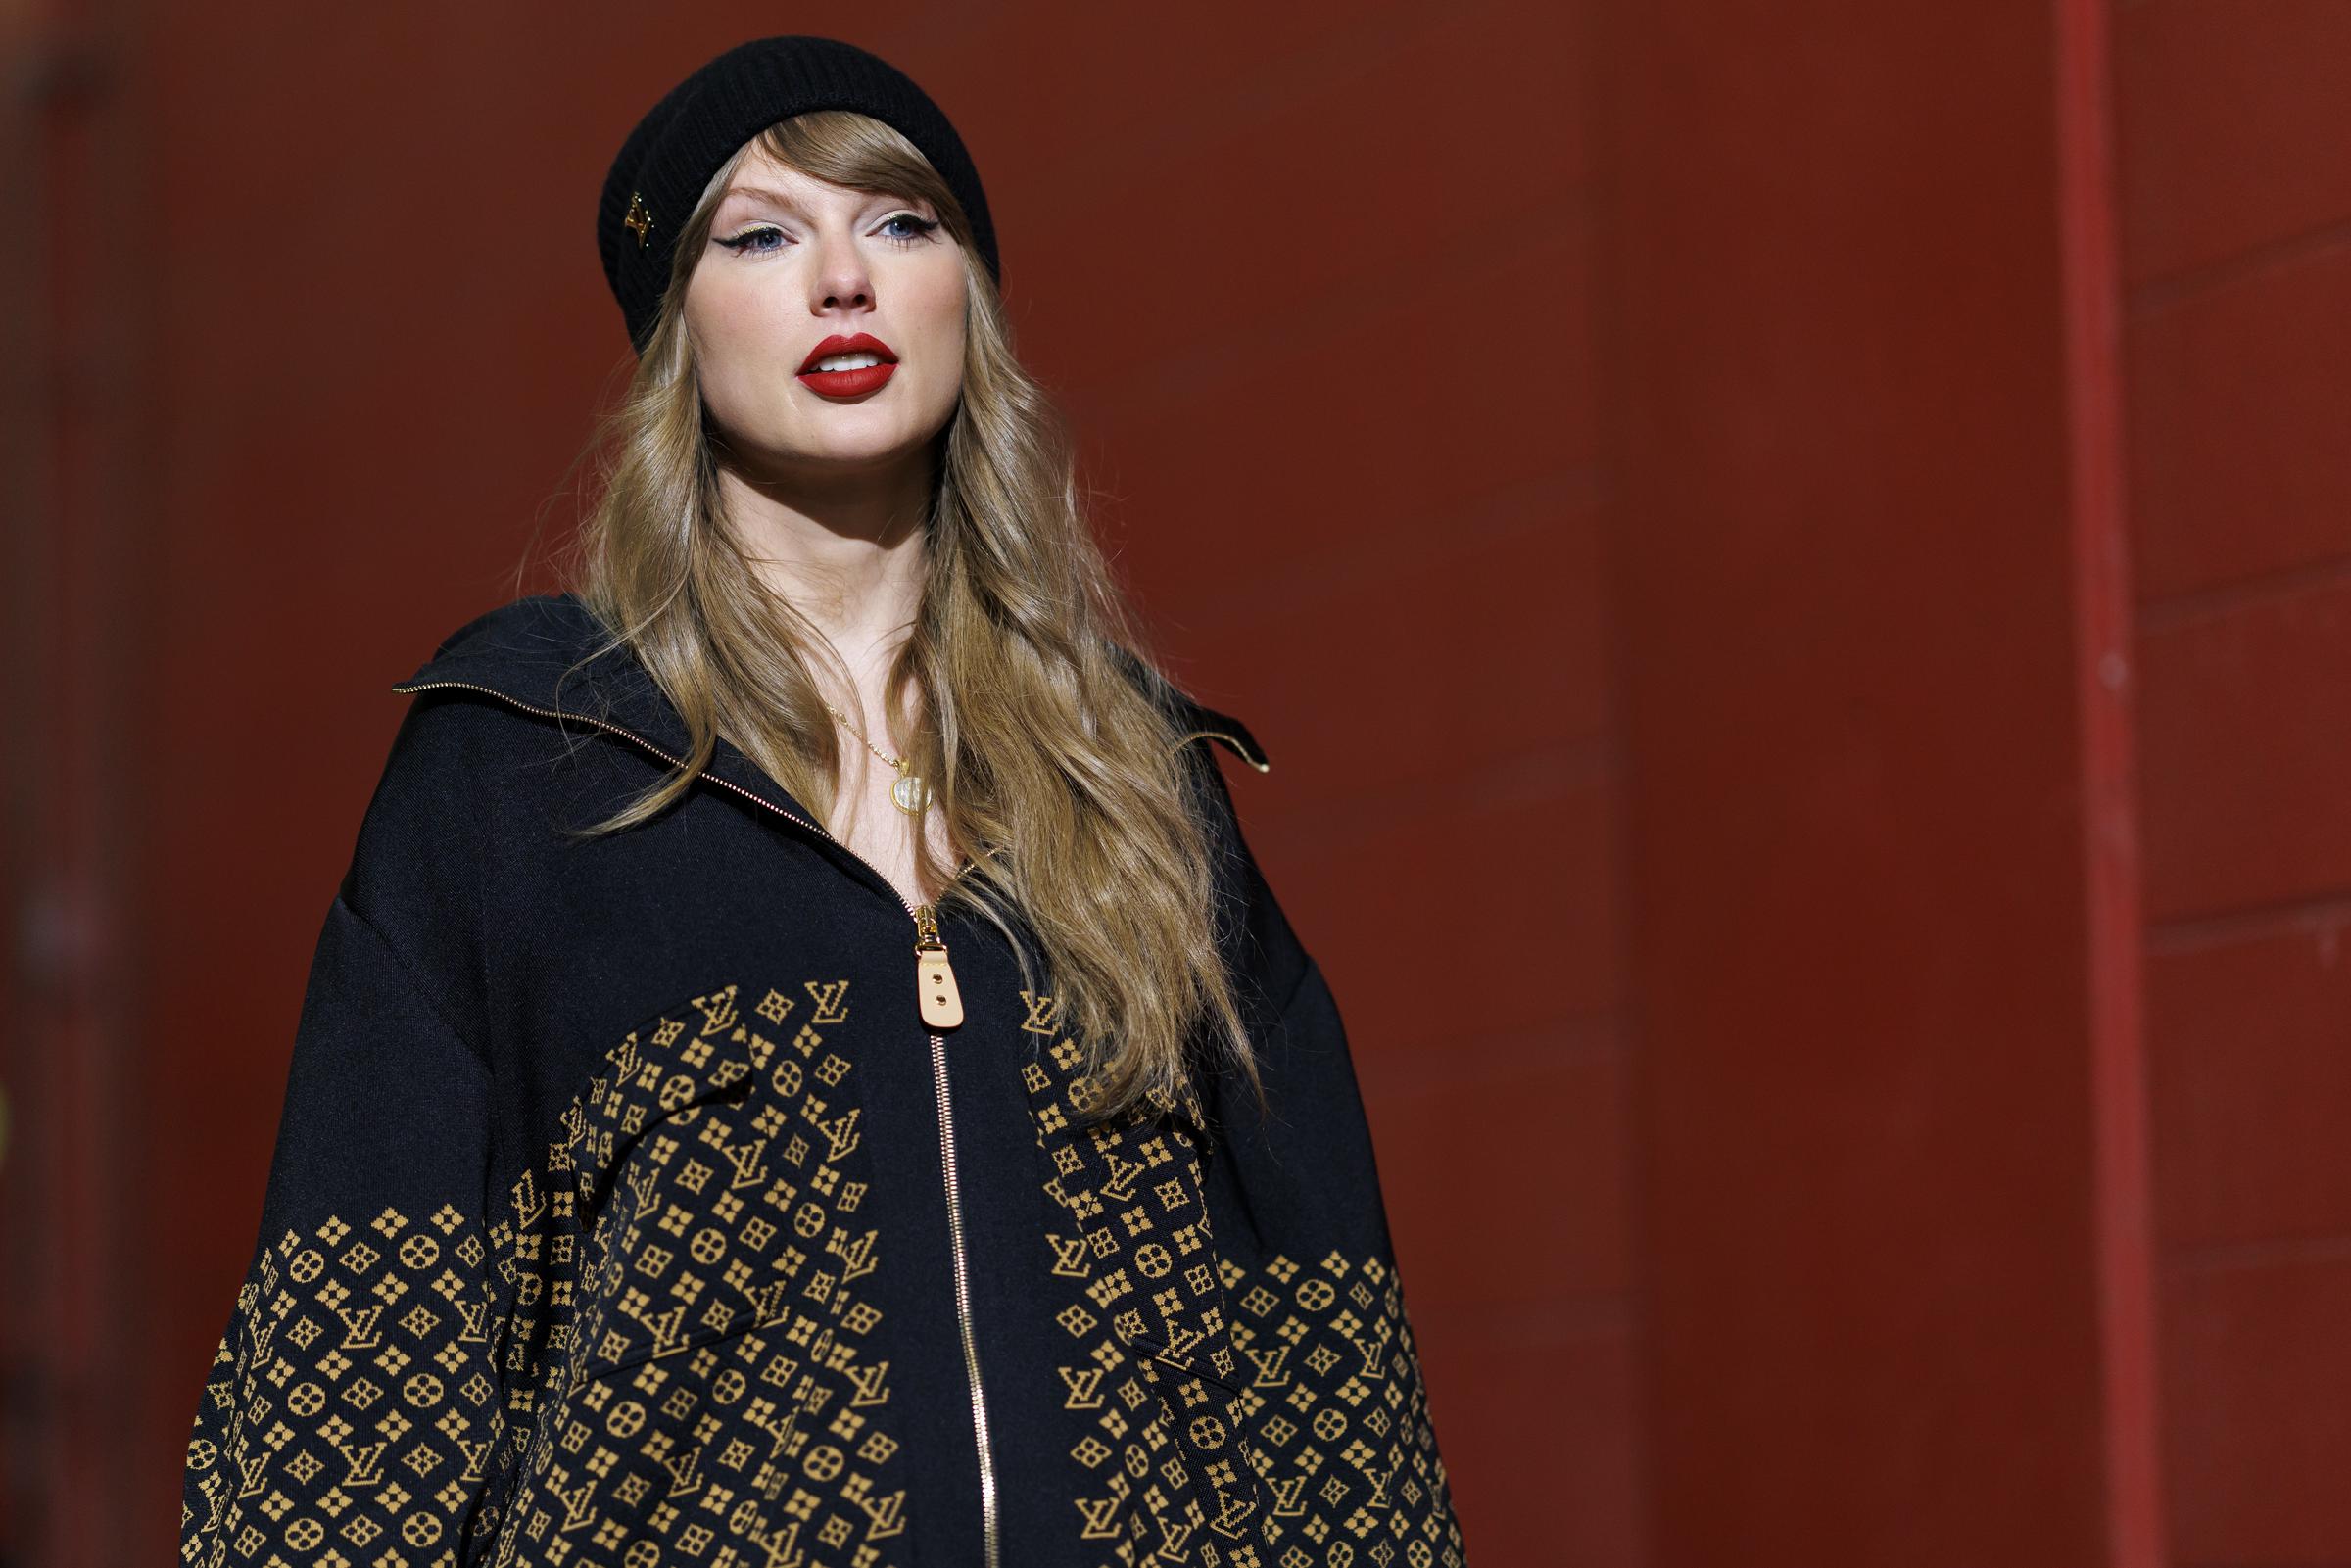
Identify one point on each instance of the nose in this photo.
(841, 278)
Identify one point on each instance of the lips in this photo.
(849, 383)
(860, 343)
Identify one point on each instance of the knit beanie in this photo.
(670, 156)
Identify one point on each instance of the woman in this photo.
(804, 1067)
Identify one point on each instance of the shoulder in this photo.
(481, 736)
(524, 648)
(469, 700)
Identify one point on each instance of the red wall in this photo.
(2235, 182)
(1789, 561)
(1878, 856)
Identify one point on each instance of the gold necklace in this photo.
(908, 792)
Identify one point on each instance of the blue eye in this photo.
(743, 241)
(922, 227)
(917, 229)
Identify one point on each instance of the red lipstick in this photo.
(847, 383)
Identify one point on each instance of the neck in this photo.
(847, 554)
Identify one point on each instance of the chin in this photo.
(859, 450)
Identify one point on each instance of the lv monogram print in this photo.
(354, 1372)
(1339, 1415)
(1295, 1435)
(712, 1392)
(1148, 1346)
(659, 1349)
(675, 1366)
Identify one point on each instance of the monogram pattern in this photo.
(660, 1349)
(711, 1387)
(676, 1362)
(1339, 1415)
(355, 1372)
(1292, 1436)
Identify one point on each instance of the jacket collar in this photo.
(540, 654)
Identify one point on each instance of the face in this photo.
(794, 266)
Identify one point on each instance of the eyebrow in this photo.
(761, 192)
(779, 199)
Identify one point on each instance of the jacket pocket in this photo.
(668, 1143)
(1159, 1360)
(715, 1177)
(650, 1089)
(1206, 1415)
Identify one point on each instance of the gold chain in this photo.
(896, 765)
(909, 793)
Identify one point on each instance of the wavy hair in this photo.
(1051, 739)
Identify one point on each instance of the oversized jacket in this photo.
(627, 1212)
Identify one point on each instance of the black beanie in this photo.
(670, 156)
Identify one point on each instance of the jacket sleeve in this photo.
(354, 1405)
(1315, 1292)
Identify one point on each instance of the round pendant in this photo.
(909, 793)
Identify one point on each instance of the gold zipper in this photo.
(942, 1004)
(941, 1008)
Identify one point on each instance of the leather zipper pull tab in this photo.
(942, 1004)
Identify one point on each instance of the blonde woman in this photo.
(803, 1067)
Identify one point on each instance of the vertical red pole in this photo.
(2123, 1182)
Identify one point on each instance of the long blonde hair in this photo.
(1049, 734)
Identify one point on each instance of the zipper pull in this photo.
(942, 1004)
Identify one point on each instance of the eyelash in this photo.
(742, 243)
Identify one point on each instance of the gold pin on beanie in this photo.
(671, 153)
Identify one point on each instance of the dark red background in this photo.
(1790, 559)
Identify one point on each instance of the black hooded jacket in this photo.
(626, 1209)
